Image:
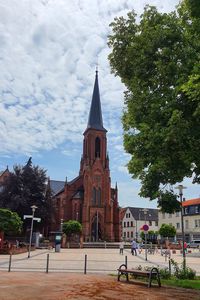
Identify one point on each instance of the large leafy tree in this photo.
(167, 230)
(25, 187)
(157, 59)
(10, 222)
(72, 227)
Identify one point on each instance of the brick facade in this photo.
(89, 198)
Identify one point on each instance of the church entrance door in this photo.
(96, 228)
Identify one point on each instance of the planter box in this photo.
(15, 250)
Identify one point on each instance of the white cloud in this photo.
(128, 193)
(48, 53)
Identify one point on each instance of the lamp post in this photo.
(180, 188)
(97, 227)
(145, 211)
(33, 207)
(136, 231)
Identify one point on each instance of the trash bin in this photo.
(58, 242)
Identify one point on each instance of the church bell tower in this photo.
(97, 218)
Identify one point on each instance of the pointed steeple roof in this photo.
(95, 120)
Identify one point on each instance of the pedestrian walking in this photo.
(121, 247)
(185, 247)
(134, 247)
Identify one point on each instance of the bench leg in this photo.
(122, 273)
(158, 279)
(118, 278)
(149, 284)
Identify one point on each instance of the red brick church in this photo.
(89, 197)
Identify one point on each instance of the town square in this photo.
(99, 149)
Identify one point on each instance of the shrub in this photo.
(180, 273)
(164, 273)
(139, 267)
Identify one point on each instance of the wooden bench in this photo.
(152, 274)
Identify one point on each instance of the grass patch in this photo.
(184, 283)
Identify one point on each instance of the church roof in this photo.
(95, 120)
(56, 186)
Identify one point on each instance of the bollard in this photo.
(126, 261)
(165, 255)
(10, 260)
(170, 269)
(85, 266)
(47, 266)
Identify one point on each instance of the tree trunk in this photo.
(1, 239)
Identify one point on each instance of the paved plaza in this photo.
(65, 280)
(103, 261)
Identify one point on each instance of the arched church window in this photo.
(94, 196)
(99, 197)
(97, 147)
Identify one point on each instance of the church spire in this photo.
(95, 120)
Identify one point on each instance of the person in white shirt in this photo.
(121, 247)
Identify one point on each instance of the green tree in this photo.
(167, 230)
(26, 186)
(142, 235)
(10, 222)
(72, 227)
(157, 59)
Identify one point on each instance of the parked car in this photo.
(194, 244)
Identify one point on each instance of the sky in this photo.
(49, 50)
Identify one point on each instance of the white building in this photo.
(133, 220)
(191, 219)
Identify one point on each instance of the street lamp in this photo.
(145, 211)
(97, 227)
(180, 188)
(33, 207)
